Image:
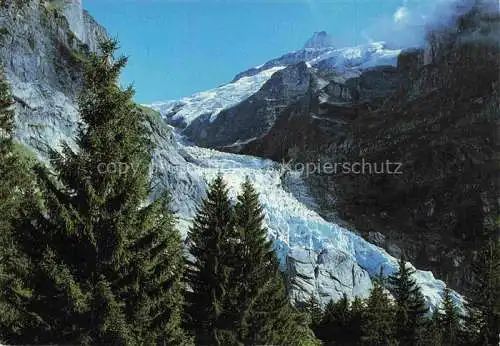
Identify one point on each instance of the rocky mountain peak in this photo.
(319, 40)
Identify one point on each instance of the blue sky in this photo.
(180, 47)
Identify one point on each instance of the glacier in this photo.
(321, 258)
(213, 101)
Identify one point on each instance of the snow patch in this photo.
(214, 101)
(361, 57)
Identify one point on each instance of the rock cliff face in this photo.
(319, 40)
(252, 121)
(323, 117)
(328, 275)
(42, 60)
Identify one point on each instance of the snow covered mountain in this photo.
(212, 102)
(200, 112)
(319, 40)
(349, 60)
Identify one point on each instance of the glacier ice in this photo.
(321, 257)
(213, 101)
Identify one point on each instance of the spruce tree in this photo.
(265, 312)
(430, 332)
(108, 268)
(6, 111)
(212, 242)
(313, 308)
(238, 294)
(448, 320)
(410, 305)
(377, 324)
(340, 323)
(16, 182)
(356, 317)
(483, 320)
(274, 321)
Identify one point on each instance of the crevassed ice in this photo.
(215, 100)
(292, 224)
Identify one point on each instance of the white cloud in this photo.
(408, 24)
(400, 15)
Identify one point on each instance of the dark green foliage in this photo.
(374, 321)
(378, 318)
(6, 112)
(341, 322)
(212, 248)
(410, 304)
(357, 311)
(448, 321)
(430, 333)
(254, 261)
(313, 308)
(273, 320)
(239, 295)
(15, 184)
(483, 321)
(106, 270)
(265, 313)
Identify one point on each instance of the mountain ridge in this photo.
(208, 118)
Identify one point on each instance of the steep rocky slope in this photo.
(444, 133)
(42, 59)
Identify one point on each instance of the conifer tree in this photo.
(356, 317)
(313, 308)
(16, 182)
(410, 305)
(108, 269)
(448, 320)
(211, 267)
(377, 325)
(264, 312)
(483, 320)
(341, 322)
(274, 321)
(238, 294)
(6, 111)
(430, 332)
